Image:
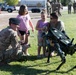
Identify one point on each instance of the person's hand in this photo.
(33, 30)
(44, 28)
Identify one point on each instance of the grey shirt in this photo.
(59, 25)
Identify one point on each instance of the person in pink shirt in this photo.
(25, 25)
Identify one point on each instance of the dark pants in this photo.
(48, 10)
(74, 10)
(69, 9)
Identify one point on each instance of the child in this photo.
(39, 26)
(25, 24)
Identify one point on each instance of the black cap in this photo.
(54, 15)
(15, 21)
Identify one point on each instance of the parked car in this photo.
(5, 7)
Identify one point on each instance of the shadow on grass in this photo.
(30, 70)
(71, 69)
(32, 58)
(27, 70)
(60, 72)
(21, 70)
(46, 64)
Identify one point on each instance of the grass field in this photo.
(35, 66)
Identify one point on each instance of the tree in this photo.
(1, 1)
(12, 2)
(65, 2)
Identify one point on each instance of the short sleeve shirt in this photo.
(24, 22)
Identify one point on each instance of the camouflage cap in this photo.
(15, 21)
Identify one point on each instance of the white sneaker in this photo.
(53, 54)
(28, 54)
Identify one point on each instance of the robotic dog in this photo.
(62, 43)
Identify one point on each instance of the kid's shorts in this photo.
(24, 32)
(41, 40)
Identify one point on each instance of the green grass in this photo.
(35, 66)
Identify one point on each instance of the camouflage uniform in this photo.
(9, 46)
(69, 7)
(74, 7)
(48, 8)
(56, 8)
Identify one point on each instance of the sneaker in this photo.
(53, 54)
(26, 54)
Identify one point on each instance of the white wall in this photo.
(34, 3)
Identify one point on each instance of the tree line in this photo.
(10, 2)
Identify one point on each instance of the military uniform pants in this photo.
(69, 9)
(11, 55)
(74, 10)
(48, 10)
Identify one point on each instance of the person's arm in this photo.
(62, 26)
(30, 22)
(14, 42)
(61, 6)
(31, 25)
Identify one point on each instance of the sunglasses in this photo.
(51, 18)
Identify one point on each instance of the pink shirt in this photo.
(24, 22)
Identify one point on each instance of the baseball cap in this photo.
(15, 21)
